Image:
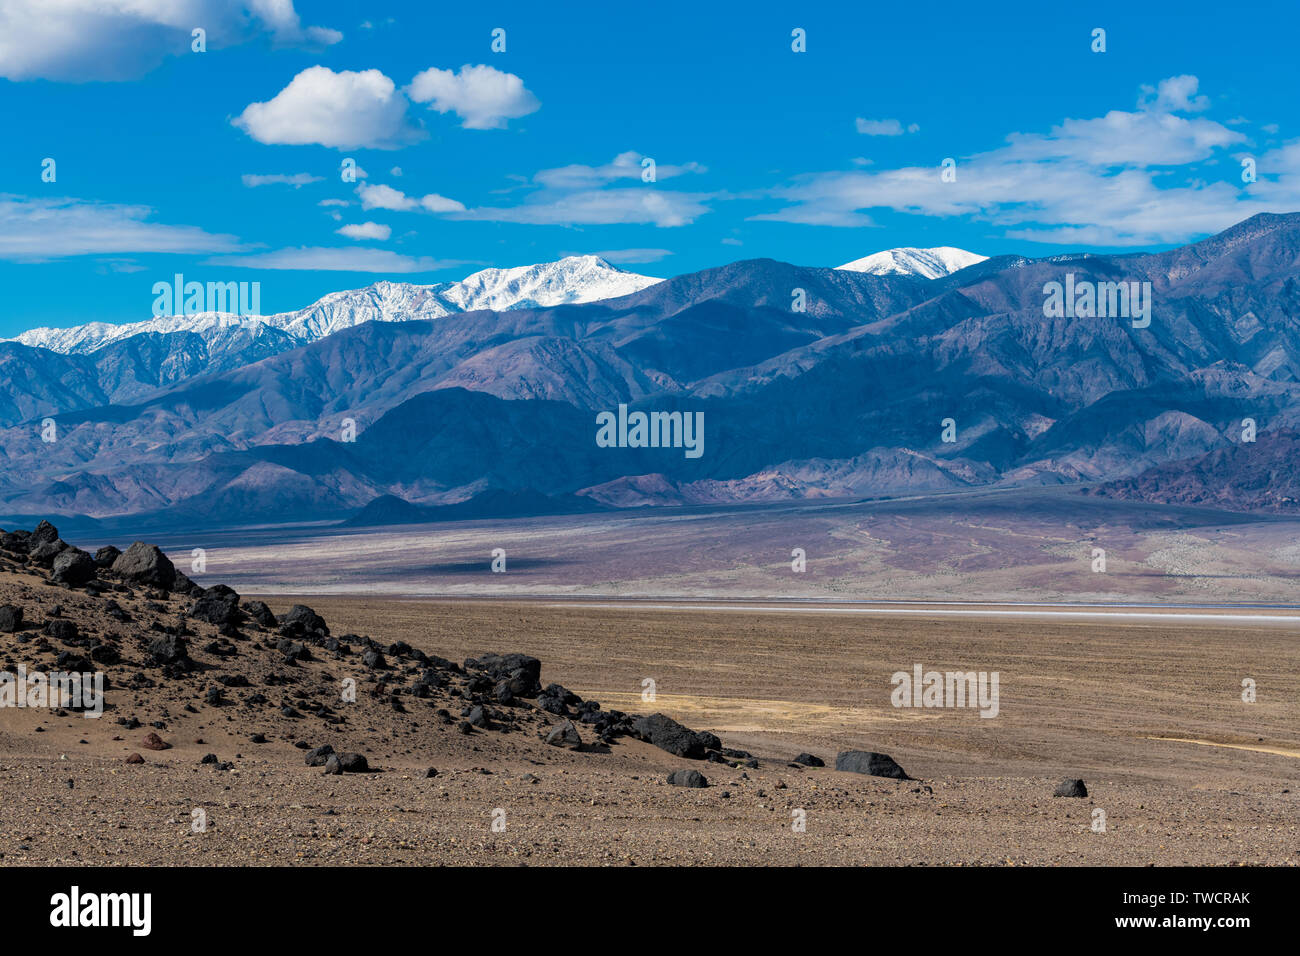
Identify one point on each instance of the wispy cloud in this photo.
(365, 230)
(317, 259)
(621, 256)
(296, 180)
(1152, 175)
(884, 127)
(579, 195)
(43, 229)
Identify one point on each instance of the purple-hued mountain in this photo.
(846, 397)
(1258, 476)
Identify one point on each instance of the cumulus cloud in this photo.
(1125, 178)
(1176, 94)
(317, 259)
(42, 229)
(344, 110)
(483, 97)
(365, 230)
(378, 196)
(84, 40)
(883, 127)
(296, 180)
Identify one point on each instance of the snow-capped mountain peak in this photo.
(926, 263)
(568, 280)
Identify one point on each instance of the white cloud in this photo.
(343, 110)
(1125, 178)
(378, 196)
(435, 203)
(365, 230)
(41, 229)
(334, 202)
(483, 97)
(626, 165)
(622, 256)
(634, 205)
(1177, 94)
(84, 40)
(883, 127)
(578, 195)
(316, 259)
(296, 180)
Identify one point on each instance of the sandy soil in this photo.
(1149, 715)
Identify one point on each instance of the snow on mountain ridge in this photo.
(927, 263)
(569, 280)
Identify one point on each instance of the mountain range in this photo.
(813, 382)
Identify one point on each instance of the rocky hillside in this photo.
(170, 650)
(1259, 476)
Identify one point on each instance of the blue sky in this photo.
(510, 158)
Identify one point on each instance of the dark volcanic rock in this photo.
(45, 532)
(320, 756)
(808, 760)
(521, 671)
(73, 566)
(259, 612)
(169, 650)
(1070, 788)
(688, 778)
(154, 742)
(667, 734)
(219, 606)
(302, 615)
(145, 564)
(11, 618)
(564, 735)
(346, 763)
(61, 630)
(44, 552)
(106, 555)
(870, 762)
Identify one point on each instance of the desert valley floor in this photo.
(1148, 714)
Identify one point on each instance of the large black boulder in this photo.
(1070, 788)
(169, 650)
(45, 532)
(304, 617)
(106, 555)
(73, 566)
(44, 552)
(145, 564)
(870, 762)
(667, 734)
(217, 605)
(11, 618)
(688, 778)
(564, 734)
(259, 612)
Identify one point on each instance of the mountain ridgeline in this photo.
(812, 383)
